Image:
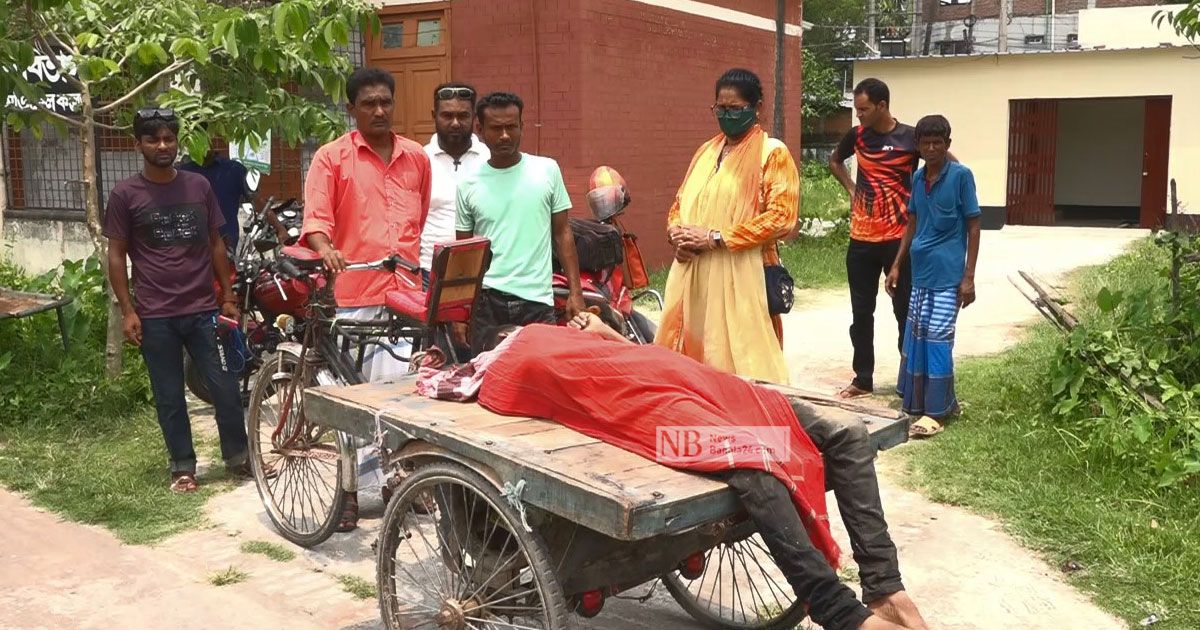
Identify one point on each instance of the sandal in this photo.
(183, 483)
(349, 518)
(925, 427)
(853, 391)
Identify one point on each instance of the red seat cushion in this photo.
(407, 302)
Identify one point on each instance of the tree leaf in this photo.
(295, 22)
(1107, 300)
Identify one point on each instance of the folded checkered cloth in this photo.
(461, 382)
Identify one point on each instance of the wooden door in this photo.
(1032, 147)
(413, 43)
(1156, 151)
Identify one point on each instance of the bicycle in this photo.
(305, 471)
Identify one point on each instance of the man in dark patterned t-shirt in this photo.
(167, 222)
(886, 152)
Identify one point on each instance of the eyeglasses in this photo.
(722, 111)
(156, 114)
(448, 93)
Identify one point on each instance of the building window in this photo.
(954, 47)
(429, 33)
(893, 48)
(1072, 38)
(953, 2)
(1035, 39)
(392, 35)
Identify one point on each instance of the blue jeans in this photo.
(163, 341)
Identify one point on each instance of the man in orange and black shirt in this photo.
(886, 152)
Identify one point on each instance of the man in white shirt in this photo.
(454, 153)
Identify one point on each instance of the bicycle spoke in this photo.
(504, 624)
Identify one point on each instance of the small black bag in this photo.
(598, 245)
(780, 289)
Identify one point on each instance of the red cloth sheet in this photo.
(623, 393)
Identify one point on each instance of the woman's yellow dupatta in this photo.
(716, 305)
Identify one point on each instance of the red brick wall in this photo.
(620, 83)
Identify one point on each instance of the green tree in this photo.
(835, 34)
(243, 68)
(1185, 21)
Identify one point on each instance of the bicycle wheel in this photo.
(468, 564)
(297, 468)
(740, 587)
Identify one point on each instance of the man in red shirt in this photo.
(366, 197)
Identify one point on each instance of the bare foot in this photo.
(874, 622)
(899, 608)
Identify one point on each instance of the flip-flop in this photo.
(853, 391)
(925, 427)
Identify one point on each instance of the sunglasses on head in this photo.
(156, 114)
(448, 93)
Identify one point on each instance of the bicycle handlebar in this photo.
(391, 263)
(287, 269)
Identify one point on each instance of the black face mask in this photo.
(735, 122)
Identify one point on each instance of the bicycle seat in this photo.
(303, 257)
(409, 303)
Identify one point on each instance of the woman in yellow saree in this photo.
(740, 195)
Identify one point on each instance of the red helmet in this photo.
(607, 193)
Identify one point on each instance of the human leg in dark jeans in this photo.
(866, 263)
(163, 342)
(845, 445)
(831, 603)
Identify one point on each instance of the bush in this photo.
(1127, 382)
(39, 383)
(822, 197)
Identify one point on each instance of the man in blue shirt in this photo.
(228, 181)
(942, 239)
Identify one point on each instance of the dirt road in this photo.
(962, 569)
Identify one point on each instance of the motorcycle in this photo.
(612, 274)
(266, 231)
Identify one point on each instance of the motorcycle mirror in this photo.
(252, 177)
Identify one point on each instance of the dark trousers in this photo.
(850, 472)
(865, 263)
(495, 310)
(164, 340)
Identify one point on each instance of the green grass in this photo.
(114, 475)
(1136, 543)
(80, 444)
(232, 575)
(356, 586)
(278, 553)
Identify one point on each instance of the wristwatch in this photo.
(715, 235)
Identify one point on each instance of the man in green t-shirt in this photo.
(520, 203)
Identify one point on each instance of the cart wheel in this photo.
(468, 564)
(740, 587)
(298, 472)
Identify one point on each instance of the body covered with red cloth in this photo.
(624, 394)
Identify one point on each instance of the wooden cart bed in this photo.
(566, 473)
